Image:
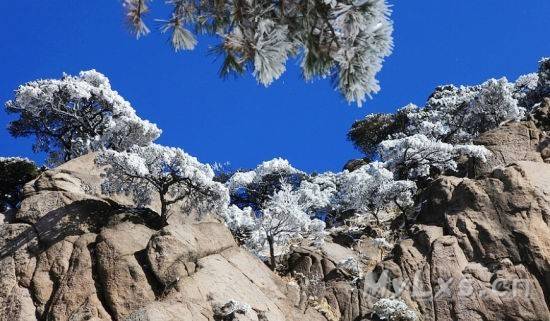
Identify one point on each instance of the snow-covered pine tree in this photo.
(346, 40)
(422, 142)
(74, 115)
(275, 204)
(175, 176)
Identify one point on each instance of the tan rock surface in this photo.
(510, 143)
(79, 256)
(496, 242)
(480, 252)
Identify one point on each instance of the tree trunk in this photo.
(271, 253)
(163, 209)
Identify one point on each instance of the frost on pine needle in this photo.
(271, 51)
(135, 10)
(181, 38)
(344, 40)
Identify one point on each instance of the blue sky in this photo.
(237, 120)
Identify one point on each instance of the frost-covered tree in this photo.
(318, 193)
(345, 40)
(281, 219)
(494, 104)
(420, 142)
(254, 188)
(417, 156)
(367, 189)
(531, 89)
(15, 172)
(372, 189)
(445, 116)
(274, 204)
(453, 115)
(286, 210)
(544, 77)
(172, 174)
(457, 115)
(367, 133)
(241, 223)
(74, 115)
(525, 90)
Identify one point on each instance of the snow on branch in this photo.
(74, 115)
(344, 40)
(175, 176)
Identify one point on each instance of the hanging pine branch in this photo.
(344, 40)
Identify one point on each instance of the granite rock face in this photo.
(512, 142)
(72, 254)
(479, 251)
(492, 251)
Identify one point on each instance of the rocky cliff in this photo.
(479, 250)
(71, 254)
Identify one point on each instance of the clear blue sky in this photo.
(239, 121)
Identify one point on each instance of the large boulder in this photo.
(120, 253)
(67, 200)
(485, 251)
(200, 267)
(17, 262)
(512, 142)
(174, 252)
(77, 295)
(70, 196)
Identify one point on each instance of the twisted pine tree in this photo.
(75, 115)
(346, 40)
(170, 173)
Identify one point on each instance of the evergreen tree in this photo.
(74, 115)
(175, 176)
(15, 172)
